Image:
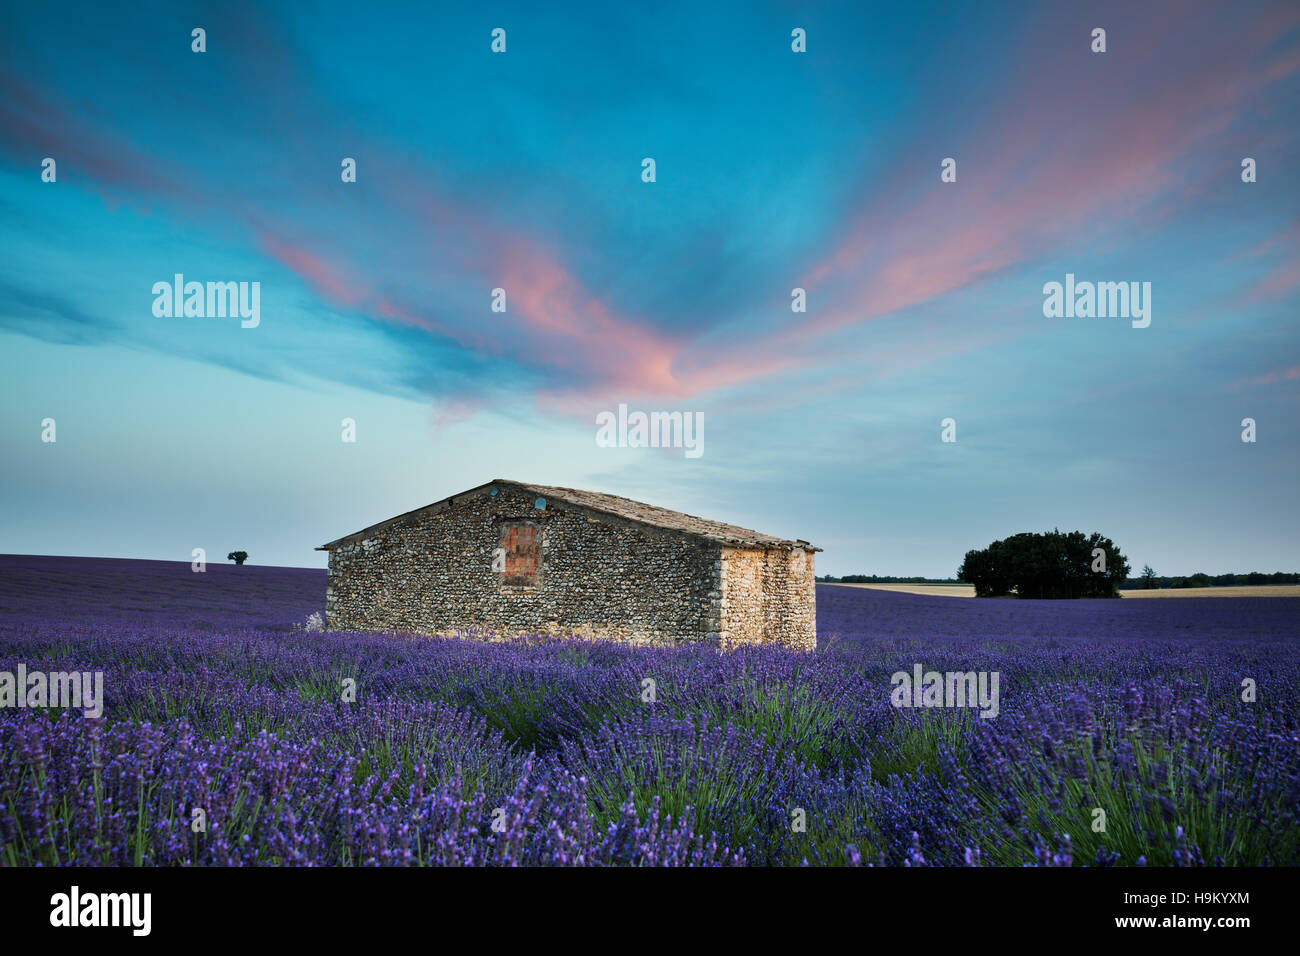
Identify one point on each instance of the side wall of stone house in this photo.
(432, 573)
(769, 597)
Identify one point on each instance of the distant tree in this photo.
(1051, 565)
(1148, 577)
(239, 557)
(1201, 579)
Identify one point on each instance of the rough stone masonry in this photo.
(518, 558)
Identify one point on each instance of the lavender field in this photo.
(465, 752)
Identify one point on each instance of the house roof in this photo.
(625, 508)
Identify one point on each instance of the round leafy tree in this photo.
(1052, 565)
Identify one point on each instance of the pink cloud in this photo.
(1031, 182)
(1018, 195)
(328, 279)
(1273, 378)
(1278, 281)
(576, 331)
(37, 124)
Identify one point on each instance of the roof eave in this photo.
(756, 545)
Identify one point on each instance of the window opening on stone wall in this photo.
(522, 542)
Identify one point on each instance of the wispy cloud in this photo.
(1050, 159)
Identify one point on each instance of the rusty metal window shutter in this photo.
(522, 544)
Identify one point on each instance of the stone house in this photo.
(517, 558)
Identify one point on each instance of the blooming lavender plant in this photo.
(543, 752)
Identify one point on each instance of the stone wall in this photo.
(431, 572)
(769, 597)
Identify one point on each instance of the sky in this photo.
(774, 170)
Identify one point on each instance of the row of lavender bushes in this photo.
(464, 752)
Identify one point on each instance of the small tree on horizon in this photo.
(239, 557)
(1148, 577)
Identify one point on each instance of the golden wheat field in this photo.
(966, 591)
(942, 590)
(1245, 590)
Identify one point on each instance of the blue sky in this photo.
(522, 170)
